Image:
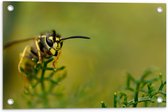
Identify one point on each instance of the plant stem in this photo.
(42, 78)
(115, 99)
(44, 97)
(103, 105)
(136, 94)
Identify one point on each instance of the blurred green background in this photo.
(124, 38)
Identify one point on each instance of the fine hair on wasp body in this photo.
(45, 46)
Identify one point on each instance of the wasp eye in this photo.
(49, 41)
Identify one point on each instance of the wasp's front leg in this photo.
(38, 50)
(56, 58)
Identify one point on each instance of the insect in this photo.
(45, 46)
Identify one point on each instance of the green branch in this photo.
(141, 91)
(47, 78)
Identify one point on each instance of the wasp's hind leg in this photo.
(21, 58)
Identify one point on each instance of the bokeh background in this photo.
(124, 38)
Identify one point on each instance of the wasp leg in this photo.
(21, 58)
(19, 65)
(38, 50)
(56, 58)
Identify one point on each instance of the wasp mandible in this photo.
(45, 46)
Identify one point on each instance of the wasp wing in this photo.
(9, 44)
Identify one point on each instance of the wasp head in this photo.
(54, 42)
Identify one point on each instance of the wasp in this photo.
(45, 45)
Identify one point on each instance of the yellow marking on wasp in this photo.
(53, 51)
(55, 45)
(51, 38)
(57, 39)
(58, 46)
(43, 36)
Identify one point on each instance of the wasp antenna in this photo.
(73, 37)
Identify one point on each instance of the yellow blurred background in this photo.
(124, 38)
